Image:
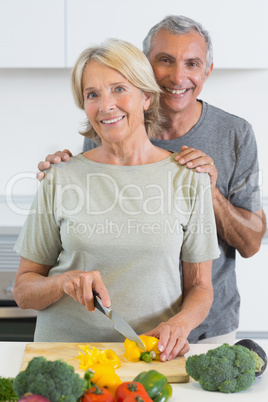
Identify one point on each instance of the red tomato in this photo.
(130, 388)
(137, 398)
(96, 394)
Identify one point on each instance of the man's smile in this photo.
(176, 91)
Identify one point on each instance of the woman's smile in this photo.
(112, 120)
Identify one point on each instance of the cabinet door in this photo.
(31, 33)
(252, 280)
(239, 28)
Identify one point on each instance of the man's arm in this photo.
(240, 228)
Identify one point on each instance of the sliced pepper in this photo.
(94, 355)
(135, 354)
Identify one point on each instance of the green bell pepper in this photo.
(165, 394)
(155, 384)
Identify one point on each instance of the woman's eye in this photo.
(91, 95)
(119, 89)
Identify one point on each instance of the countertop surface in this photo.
(11, 354)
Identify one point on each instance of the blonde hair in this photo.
(133, 65)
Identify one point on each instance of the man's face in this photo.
(179, 64)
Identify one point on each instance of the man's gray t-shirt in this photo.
(230, 141)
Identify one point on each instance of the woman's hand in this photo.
(35, 289)
(172, 339)
(79, 285)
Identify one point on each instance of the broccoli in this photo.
(225, 369)
(6, 389)
(55, 380)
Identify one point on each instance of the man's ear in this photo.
(208, 72)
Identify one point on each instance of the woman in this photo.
(118, 219)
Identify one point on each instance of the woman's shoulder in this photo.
(186, 175)
(62, 170)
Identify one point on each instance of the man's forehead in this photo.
(168, 42)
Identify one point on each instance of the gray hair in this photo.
(179, 25)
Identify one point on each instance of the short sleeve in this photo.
(244, 191)
(39, 240)
(200, 241)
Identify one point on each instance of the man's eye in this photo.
(164, 60)
(193, 64)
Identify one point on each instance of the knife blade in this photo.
(119, 323)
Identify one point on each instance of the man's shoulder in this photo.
(89, 144)
(220, 115)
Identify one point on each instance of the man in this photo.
(211, 141)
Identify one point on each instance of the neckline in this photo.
(190, 132)
(83, 159)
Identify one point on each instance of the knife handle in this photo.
(98, 304)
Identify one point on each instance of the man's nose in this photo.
(177, 74)
(107, 103)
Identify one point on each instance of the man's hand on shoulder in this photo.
(198, 160)
(57, 157)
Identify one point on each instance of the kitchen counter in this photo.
(11, 354)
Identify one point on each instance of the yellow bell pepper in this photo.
(105, 377)
(94, 355)
(135, 354)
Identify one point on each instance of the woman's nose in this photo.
(107, 103)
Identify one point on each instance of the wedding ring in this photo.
(212, 163)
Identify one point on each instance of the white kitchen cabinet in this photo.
(32, 33)
(52, 33)
(252, 279)
(238, 28)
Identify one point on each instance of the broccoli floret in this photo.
(225, 369)
(6, 389)
(55, 380)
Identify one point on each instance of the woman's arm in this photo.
(35, 289)
(197, 300)
(197, 293)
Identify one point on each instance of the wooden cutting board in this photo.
(174, 370)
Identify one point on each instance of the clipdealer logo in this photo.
(133, 226)
(103, 195)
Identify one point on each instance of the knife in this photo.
(119, 324)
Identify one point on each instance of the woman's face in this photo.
(114, 107)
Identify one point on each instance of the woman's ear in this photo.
(147, 101)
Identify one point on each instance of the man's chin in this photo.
(174, 105)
